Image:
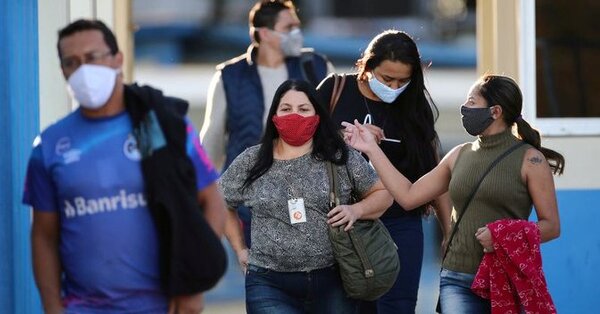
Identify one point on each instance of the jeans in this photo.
(317, 291)
(407, 232)
(456, 295)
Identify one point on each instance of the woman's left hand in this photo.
(484, 236)
(343, 214)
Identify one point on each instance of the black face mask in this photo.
(476, 120)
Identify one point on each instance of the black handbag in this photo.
(366, 254)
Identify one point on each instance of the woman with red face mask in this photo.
(283, 180)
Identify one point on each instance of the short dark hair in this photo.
(264, 13)
(86, 25)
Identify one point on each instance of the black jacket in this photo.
(192, 256)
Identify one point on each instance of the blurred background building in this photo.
(208, 30)
(552, 48)
(183, 40)
(187, 38)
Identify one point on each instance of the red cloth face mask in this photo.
(295, 129)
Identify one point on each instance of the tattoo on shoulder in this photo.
(536, 160)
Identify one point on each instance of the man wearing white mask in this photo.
(97, 243)
(242, 88)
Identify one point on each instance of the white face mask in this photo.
(384, 92)
(291, 43)
(93, 84)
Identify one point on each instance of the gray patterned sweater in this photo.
(276, 243)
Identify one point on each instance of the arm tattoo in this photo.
(536, 160)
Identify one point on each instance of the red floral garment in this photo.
(512, 276)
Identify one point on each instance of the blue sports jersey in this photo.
(88, 171)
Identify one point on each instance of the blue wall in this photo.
(19, 95)
(572, 262)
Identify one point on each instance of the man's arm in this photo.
(211, 200)
(187, 304)
(212, 134)
(46, 261)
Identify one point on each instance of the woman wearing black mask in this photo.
(283, 180)
(522, 178)
(388, 93)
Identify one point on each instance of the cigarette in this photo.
(391, 140)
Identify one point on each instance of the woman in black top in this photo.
(388, 93)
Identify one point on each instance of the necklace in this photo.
(370, 118)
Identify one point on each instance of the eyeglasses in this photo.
(94, 57)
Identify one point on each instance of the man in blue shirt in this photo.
(95, 243)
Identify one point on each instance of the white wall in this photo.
(54, 101)
(581, 170)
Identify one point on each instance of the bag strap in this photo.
(334, 184)
(354, 194)
(358, 245)
(334, 200)
(472, 195)
(336, 92)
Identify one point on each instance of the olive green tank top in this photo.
(502, 194)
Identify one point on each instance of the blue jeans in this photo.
(407, 232)
(456, 295)
(317, 291)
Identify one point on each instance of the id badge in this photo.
(296, 210)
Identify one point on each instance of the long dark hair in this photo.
(328, 144)
(414, 110)
(503, 91)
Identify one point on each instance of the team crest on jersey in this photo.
(63, 149)
(130, 148)
(62, 146)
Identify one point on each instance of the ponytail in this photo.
(532, 136)
(504, 91)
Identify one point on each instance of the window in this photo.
(565, 43)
